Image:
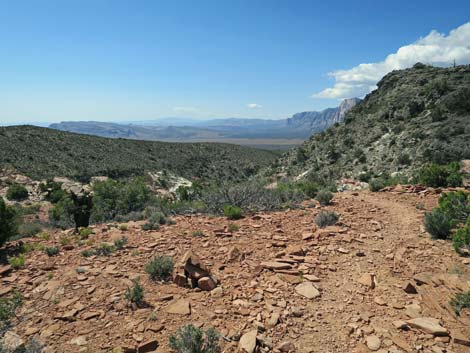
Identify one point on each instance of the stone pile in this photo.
(191, 272)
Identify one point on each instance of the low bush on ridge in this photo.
(451, 219)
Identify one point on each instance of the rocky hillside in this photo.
(416, 116)
(46, 153)
(267, 283)
(319, 121)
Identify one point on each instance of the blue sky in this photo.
(137, 60)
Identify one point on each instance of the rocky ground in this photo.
(373, 282)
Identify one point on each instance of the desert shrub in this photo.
(198, 233)
(29, 229)
(460, 301)
(51, 251)
(309, 188)
(250, 196)
(324, 197)
(135, 294)
(232, 227)
(232, 212)
(17, 192)
(190, 339)
(160, 268)
(456, 205)
(461, 240)
(458, 101)
(438, 224)
(376, 184)
(88, 253)
(85, 232)
(154, 221)
(8, 307)
(61, 215)
(120, 243)
(113, 198)
(8, 222)
(436, 175)
(17, 262)
(326, 218)
(105, 249)
(123, 227)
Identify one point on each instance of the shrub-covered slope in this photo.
(42, 153)
(416, 116)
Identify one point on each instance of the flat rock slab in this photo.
(428, 325)
(274, 265)
(307, 290)
(180, 307)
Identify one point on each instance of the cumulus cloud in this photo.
(254, 106)
(435, 48)
(185, 109)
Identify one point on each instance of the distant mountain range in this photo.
(265, 133)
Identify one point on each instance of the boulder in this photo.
(180, 307)
(12, 342)
(247, 342)
(373, 343)
(307, 290)
(428, 325)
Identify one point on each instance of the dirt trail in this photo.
(75, 303)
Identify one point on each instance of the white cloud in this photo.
(254, 106)
(185, 109)
(436, 48)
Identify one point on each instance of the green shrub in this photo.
(456, 205)
(120, 243)
(135, 294)
(85, 232)
(232, 212)
(17, 262)
(160, 268)
(460, 301)
(461, 240)
(8, 307)
(198, 233)
(438, 224)
(113, 199)
(17, 192)
(61, 215)
(324, 197)
(123, 227)
(156, 218)
(105, 249)
(52, 251)
(310, 189)
(326, 218)
(435, 175)
(377, 184)
(88, 253)
(8, 222)
(190, 339)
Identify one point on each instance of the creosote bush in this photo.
(324, 197)
(8, 306)
(17, 262)
(326, 218)
(232, 212)
(190, 339)
(8, 222)
(135, 294)
(438, 224)
(460, 301)
(52, 251)
(17, 192)
(461, 240)
(160, 268)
